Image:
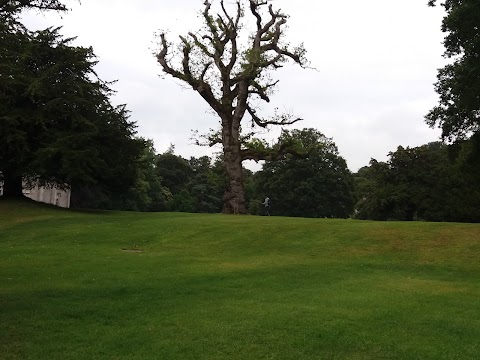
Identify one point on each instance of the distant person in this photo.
(267, 203)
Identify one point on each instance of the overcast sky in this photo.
(377, 61)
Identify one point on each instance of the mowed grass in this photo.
(120, 285)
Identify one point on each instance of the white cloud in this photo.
(376, 64)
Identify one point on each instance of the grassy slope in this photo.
(234, 287)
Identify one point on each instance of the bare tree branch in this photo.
(201, 86)
(210, 23)
(261, 91)
(212, 138)
(187, 48)
(13, 6)
(233, 38)
(284, 120)
(253, 8)
(204, 72)
(161, 58)
(202, 46)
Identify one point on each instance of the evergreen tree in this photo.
(57, 124)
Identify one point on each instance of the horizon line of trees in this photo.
(58, 125)
(432, 182)
(169, 182)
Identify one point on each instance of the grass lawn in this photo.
(120, 285)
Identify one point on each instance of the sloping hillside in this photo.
(118, 285)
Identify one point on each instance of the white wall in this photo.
(46, 195)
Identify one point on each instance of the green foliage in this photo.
(194, 185)
(56, 120)
(421, 183)
(319, 185)
(174, 170)
(147, 192)
(256, 145)
(164, 182)
(125, 285)
(255, 207)
(206, 185)
(372, 192)
(458, 112)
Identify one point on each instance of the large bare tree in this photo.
(232, 73)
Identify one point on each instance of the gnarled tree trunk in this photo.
(234, 195)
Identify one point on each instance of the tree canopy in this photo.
(458, 111)
(420, 183)
(319, 185)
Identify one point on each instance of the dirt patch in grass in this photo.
(132, 250)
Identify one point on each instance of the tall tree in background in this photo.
(318, 186)
(13, 38)
(458, 111)
(230, 75)
(57, 124)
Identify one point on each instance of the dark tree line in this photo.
(432, 182)
(165, 182)
(317, 185)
